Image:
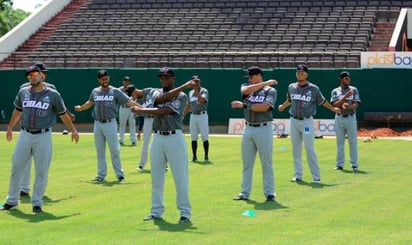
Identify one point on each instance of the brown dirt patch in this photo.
(384, 132)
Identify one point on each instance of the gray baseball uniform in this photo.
(39, 111)
(147, 102)
(25, 182)
(126, 117)
(106, 106)
(258, 138)
(346, 124)
(199, 121)
(304, 100)
(169, 146)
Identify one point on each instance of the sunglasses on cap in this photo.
(33, 74)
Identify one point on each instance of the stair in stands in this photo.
(15, 59)
(382, 36)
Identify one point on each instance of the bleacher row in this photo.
(212, 33)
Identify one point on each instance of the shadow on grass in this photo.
(46, 199)
(354, 172)
(174, 227)
(38, 217)
(313, 184)
(202, 162)
(266, 205)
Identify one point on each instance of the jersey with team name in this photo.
(339, 92)
(304, 99)
(173, 120)
(106, 102)
(266, 95)
(39, 109)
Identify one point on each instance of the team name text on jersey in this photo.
(301, 97)
(36, 104)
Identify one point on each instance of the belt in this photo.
(150, 116)
(300, 118)
(105, 121)
(348, 115)
(256, 124)
(198, 113)
(36, 131)
(165, 132)
(124, 106)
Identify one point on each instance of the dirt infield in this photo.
(384, 132)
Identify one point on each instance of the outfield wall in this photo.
(381, 90)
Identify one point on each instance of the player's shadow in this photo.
(204, 162)
(313, 184)
(173, 227)
(39, 217)
(265, 205)
(354, 172)
(46, 199)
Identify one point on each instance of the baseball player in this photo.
(25, 185)
(303, 97)
(199, 120)
(126, 117)
(346, 97)
(258, 102)
(106, 100)
(144, 97)
(36, 108)
(169, 145)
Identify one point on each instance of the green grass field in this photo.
(373, 206)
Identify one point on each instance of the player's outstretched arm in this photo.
(174, 92)
(83, 107)
(246, 90)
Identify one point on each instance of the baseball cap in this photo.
(254, 70)
(41, 65)
(166, 71)
(195, 77)
(126, 78)
(102, 73)
(344, 74)
(302, 67)
(32, 69)
(129, 90)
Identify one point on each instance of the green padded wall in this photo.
(380, 89)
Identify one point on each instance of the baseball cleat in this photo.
(317, 181)
(37, 209)
(151, 217)
(296, 179)
(98, 179)
(184, 219)
(7, 206)
(240, 198)
(270, 198)
(338, 168)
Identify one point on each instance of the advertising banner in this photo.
(282, 126)
(386, 60)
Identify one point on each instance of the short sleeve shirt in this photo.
(304, 99)
(266, 95)
(106, 102)
(39, 109)
(339, 92)
(173, 120)
(195, 105)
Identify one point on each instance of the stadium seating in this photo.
(215, 33)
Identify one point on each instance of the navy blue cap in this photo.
(166, 71)
(302, 67)
(195, 77)
(102, 73)
(32, 69)
(344, 74)
(254, 70)
(127, 78)
(41, 65)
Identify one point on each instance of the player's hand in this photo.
(281, 108)
(272, 82)
(236, 104)
(75, 137)
(77, 108)
(346, 106)
(9, 135)
(136, 109)
(336, 110)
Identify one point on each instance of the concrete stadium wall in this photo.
(381, 90)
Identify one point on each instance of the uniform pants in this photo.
(257, 140)
(346, 126)
(126, 116)
(199, 124)
(304, 130)
(170, 149)
(38, 146)
(107, 132)
(147, 135)
(25, 182)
